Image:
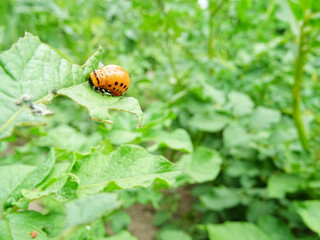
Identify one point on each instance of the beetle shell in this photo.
(111, 78)
(34, 234)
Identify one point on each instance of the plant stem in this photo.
(167, 47)
(211, 38)
(211, 41)
(296, 90)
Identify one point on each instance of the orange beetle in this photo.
(34, 234)
(110, 79)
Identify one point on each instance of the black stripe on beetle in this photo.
(96, 75)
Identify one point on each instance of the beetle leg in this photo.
(109, 93)
(32, 106)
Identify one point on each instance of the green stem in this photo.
(17, 113)
(296, 90)
(211, 41)
(211, 38)
(167, 47)
(12, 118)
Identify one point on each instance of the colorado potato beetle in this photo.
(110, 79)
(34, 234)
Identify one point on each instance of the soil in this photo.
(10, 149)
(142, 218)
(142, 215)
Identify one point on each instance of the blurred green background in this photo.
(216, 80)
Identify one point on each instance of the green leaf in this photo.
(119, 136)
(286, 14)
(19, 225)
(242, 168)
(59, 183)
(11, 177)
(30, 70)
(92, 63)
(64, 136)
(258, 208)
(264, 117)
(173, 234)
(205, 165)
(309, 211)
(87, 209)
(220, 198)
(127, 167)
(211, 92)
(275, 228)
(78, 233)
(124, 235)
(205, 92)
(161, 218)
(241, 104)
(63, 187)
(235, 135)
(119, 221)
(208, 122)
(98, 105)
(240, 230)
(178, 139)
(69, 219)
(5, 230)
(279, 185)
(146, 195)
(14, 178)
(283, 133)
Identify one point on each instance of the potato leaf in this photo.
(242, 231)
(20, 225)
(16, 177)
(29, 71)
(309, 211)
(98, 105)
(127, 167)
(32, 73)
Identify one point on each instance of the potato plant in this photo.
(217, 137)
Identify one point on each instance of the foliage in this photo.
(229, 142)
